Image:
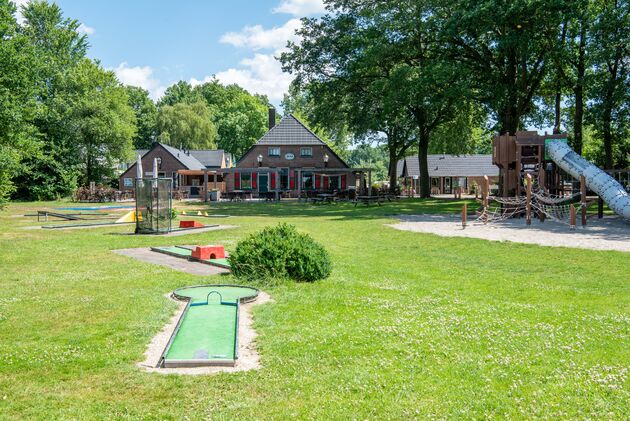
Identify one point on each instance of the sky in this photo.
(155, 43)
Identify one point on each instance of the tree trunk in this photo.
(509, 120)
(556, 125)
(423, 152)
(393, 164)
(578, 142)
(608, 141)
(578, 91)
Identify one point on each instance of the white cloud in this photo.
(301, 7)
(85, 30)
(258, 38)
(261, 74)
(140, 76)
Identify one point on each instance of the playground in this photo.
(412, 314)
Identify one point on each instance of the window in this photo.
(128, 182)
(334, 182)
(273, 152)
(284, 179)
(246, 181)
(308, 181)
(306, 151)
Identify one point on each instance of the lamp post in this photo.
(326, 160)
(259, 158)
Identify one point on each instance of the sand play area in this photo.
(609, 233)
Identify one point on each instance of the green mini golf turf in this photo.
(207, 332)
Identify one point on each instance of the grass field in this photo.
(408, 325)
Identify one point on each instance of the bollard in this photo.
(464, 215)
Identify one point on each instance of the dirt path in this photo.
(609, 233)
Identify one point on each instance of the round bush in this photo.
(280, 252)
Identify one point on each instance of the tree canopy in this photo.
(187, 126)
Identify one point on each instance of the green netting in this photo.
(207, 332)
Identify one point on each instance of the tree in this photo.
(239, 117)
(385, 49)
(97, 119)
(18, 136)
(58, 47)
(146, 117)
(179, 92)
(505, 48)
(366, 155)
(610, 92)
(187, 126)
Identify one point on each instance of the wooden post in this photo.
(583, 198)
(600, 208)
(484, 194)
(572, 216)
(299, 184)
(528, 205)
(369, 182)
(205, 186)
(464, 215)
(541, 178)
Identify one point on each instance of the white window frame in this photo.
(306, 155)
(274, 148)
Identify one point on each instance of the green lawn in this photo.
(408, 325)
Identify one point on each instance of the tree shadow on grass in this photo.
(340, 210)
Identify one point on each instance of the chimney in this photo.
(272, 117)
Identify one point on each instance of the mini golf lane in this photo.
(186, 253)
(207, 332)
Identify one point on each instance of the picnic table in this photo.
(367, 200)
(325, 198)
(238, 195)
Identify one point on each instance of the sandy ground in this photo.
(146, 255)
(609, 233)
(248, 358)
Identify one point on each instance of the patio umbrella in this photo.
(139, 167)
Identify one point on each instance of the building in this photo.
(194, 173)
(448, 172)
(292, 160)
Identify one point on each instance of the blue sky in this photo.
(153, 44)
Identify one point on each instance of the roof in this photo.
(193, 160)
(187, 160)
(290, 131)
(211, 158)
(449, 166)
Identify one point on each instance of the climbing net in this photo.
(557, 208)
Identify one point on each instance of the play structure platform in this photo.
(207, 331)
(201, 254)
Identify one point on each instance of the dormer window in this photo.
(306, 152)
(273, 152)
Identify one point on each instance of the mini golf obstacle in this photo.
(211, 255)
(206, 333)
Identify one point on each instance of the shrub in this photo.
(98, 194)
(280, 252)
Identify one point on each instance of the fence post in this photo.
(583, 198)
(528, 206)
(484, 192)
(572, 216)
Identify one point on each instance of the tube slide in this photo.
(597, 180)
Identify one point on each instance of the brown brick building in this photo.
(290, 159)
(193, 172)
